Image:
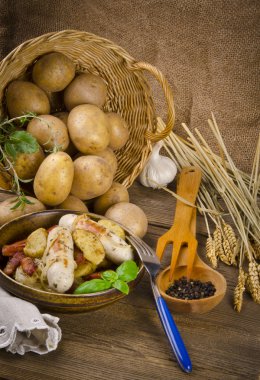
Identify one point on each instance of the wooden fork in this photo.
(179, 234)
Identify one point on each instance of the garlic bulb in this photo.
(159, 170)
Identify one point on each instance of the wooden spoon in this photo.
(180, 234)
(200, 271)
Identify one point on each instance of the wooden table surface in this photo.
(126, 341)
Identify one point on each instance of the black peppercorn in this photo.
(190, 289)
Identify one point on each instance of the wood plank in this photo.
(126, 341)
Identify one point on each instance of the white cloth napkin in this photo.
(23, 328)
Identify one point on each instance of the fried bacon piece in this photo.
(11, 249)
(94, 275)
(79, 256)
(28, 265)
(13, 262)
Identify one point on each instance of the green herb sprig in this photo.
(118, 279)
(12, 142)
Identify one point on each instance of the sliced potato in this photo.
(90, 245)
(36, 243)
(113, 226)
(84, 269)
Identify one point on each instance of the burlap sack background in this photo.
(207, 49)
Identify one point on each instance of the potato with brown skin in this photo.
(53, 72)
(49, 131)
(110, 157)
(23, 97)
(88, 129)
(27, 164)
(117, 193)
(85, 88)
(92, 177)
(118, 131)
(130, 216)
(6, 214)
(53, 180)
(5, 178)
(73, 203)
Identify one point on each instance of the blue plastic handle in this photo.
(173, 335)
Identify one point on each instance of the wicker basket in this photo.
(128, 91)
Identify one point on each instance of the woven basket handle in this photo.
(157, 136)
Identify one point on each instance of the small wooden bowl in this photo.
(200, 272)
(20, 228)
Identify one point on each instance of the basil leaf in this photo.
(121, 285)
(21, 142)
(93, 286)
(127, 271)
(109, 275)
(9, 149)
(26, 142)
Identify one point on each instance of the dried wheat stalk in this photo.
(223, 181)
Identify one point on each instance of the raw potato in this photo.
(23, 97)
(130, 216)
(53, 72)
(49, 131)
(6, 214)
(27, 164)
(5, 178)
(53, 180)
(118, 131)
(92, 177)
(113, 226)
(85, 89)
(110, 157)
(117, 193)
(73, 203)
(90, 245)
(88, 129)
(36, 243)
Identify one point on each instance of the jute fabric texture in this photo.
(207, 50)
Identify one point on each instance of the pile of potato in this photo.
(76, 162)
